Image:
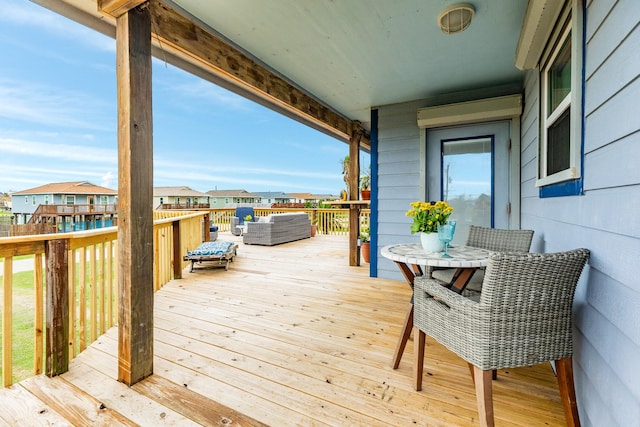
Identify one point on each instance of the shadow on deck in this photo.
(289, 335)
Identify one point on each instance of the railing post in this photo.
(177, 251)
(207, 231)
(57, 341)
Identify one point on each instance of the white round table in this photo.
(410, 258)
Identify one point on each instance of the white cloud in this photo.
(108, 180)
(196, 88)
(237, 169)
(50, 105)
(35, 149)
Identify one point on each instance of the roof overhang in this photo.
(538, 23)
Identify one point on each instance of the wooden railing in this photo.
(329, 221)
(184, 206)
(89, 260)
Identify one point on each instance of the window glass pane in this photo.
(467, 182)
(558, 144)
(560, 76)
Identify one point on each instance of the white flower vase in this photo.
(431, 243)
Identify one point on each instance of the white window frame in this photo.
(71, 199)
(568, 23)
(104, 200)
(33, 200)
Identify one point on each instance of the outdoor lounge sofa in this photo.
(280, 228)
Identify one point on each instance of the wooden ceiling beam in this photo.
(182, 37)
(116, 8)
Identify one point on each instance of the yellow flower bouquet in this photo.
(428, 215)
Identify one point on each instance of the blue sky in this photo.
(58, 119)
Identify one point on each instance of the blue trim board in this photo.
(567, 188)
(373, 204)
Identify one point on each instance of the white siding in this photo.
(604, 219)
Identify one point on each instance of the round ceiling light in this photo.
(455, 19)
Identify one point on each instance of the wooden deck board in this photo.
(289, 335)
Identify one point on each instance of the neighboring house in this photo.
(313, 199)
(232, 198)
(181, 197)
(5, 202)
(55, 201)
(270, 197)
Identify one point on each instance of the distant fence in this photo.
(32, 229)
(5, 226)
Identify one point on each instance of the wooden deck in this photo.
(290, 335)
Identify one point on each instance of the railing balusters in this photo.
(38, 287)
(82, 294)
(73, 318)
(93, 299)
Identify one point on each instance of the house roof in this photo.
(273, 195)
(309, 196)
(76, 187)
(178, 191)
(303, 196)
(232, 193)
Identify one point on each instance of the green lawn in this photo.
(23, 325)
(23, 320)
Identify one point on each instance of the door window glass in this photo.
(467, 182)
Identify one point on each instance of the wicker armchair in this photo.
(523, 318)
(492, 239)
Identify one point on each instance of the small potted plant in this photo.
(365, 244)
(365, 185)
(427, 216)
(314, 227)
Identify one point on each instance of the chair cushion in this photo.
(211, 248)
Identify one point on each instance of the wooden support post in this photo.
(177, 251)
(354, 178)
(135, 195)
(57, 341)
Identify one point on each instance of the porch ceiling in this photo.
(354, 55)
